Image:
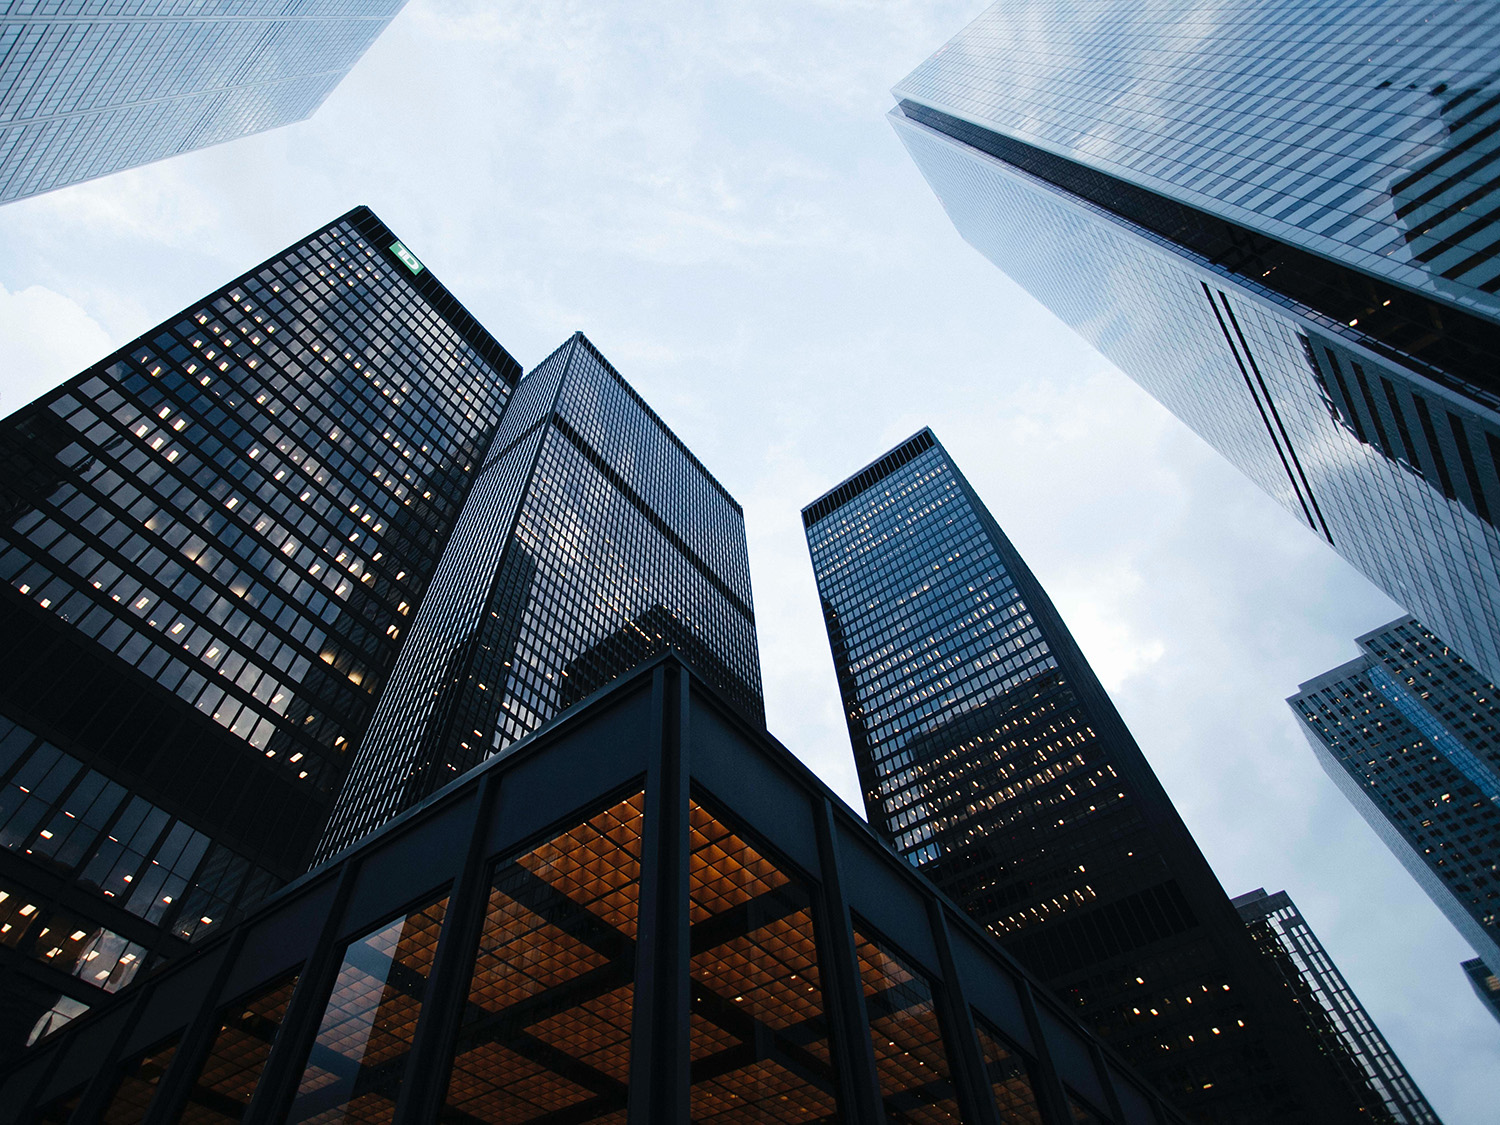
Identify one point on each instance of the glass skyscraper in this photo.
(1330, 1006)
(88, 87)
(592, 539)
(1410, 733)
(1283, 221)
(989, 755)
(1485, 983)
(211, 545)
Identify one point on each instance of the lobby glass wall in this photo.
(649, 912)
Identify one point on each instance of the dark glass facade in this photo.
(649, 912)
(1485, 983)
(211, 545)
(1291, 243)
(990, 757)
(592, 539)
(93, 86)
(1329, 1005)
(1408, 732)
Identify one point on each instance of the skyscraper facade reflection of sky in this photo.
(990, 756)
(89, 87)
(1283, 221)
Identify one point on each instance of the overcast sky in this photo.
(711, 193)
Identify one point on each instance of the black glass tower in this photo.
(592, 539)
(1283, 221)
(211, 545)
(1330, 1007)
(990, 756)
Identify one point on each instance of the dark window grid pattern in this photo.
(81, 97)
(386, 762)
(75, 821)
(1429, 812)
(1155, 325)
(628, 436)
(599, 565)
(1366, 1045)
(592, 579)
(67, 942)
(1319, 126)
(335, 497)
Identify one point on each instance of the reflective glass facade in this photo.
(993, 761)
(1408, 732)
(1281, 221)
(592, 539)
(1485, 983)
(649, 912)
(1331, 1007)
(211, 545)
(88, 87)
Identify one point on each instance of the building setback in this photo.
(1330, 1006)
(1410, 733)
(592, 539)
(990, 756)
(650, 911)
(1282, 221)
(1485, 983)
(92, 87)
(211, 545)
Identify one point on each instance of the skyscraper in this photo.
(1485, 983)
(990, 756)
(1282, 220)
(1330, 1006)
(91, 87)
(1408, 732)
(211, 544)
(592, 539)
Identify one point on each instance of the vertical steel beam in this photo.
(1050, 1095)
(659, 1066)
(976, 1102)
(98, 1093)
(272, 1100)
(843, 991)
(424, 1085)
(198, 1038)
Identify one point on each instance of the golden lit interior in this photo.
(909, 1058)
(238, 1056)
(759, 1040)
(134, 1093)
(547, 1026)
(354, 1071)
(1008, 1082)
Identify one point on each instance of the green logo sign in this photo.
(408, 259)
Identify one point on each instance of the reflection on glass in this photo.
(238, 1056)
(1006, 1073)
(354, 1072)
(758, 1037)
(910, 1062)
(138, 1083)
(547, 1026)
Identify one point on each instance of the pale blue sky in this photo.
(710, 191)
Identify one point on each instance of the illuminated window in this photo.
(239, 1054)
(359, 1057)
(547, 1026)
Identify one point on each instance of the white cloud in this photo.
(45, 338)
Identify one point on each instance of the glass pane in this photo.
(909, 1058)
(354, 1071)
(138, 1084)
(1008, 1081)
(238, 1056)
(758, 1036)
(1082, 1114)
(58, 1111)
(547, 1026)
